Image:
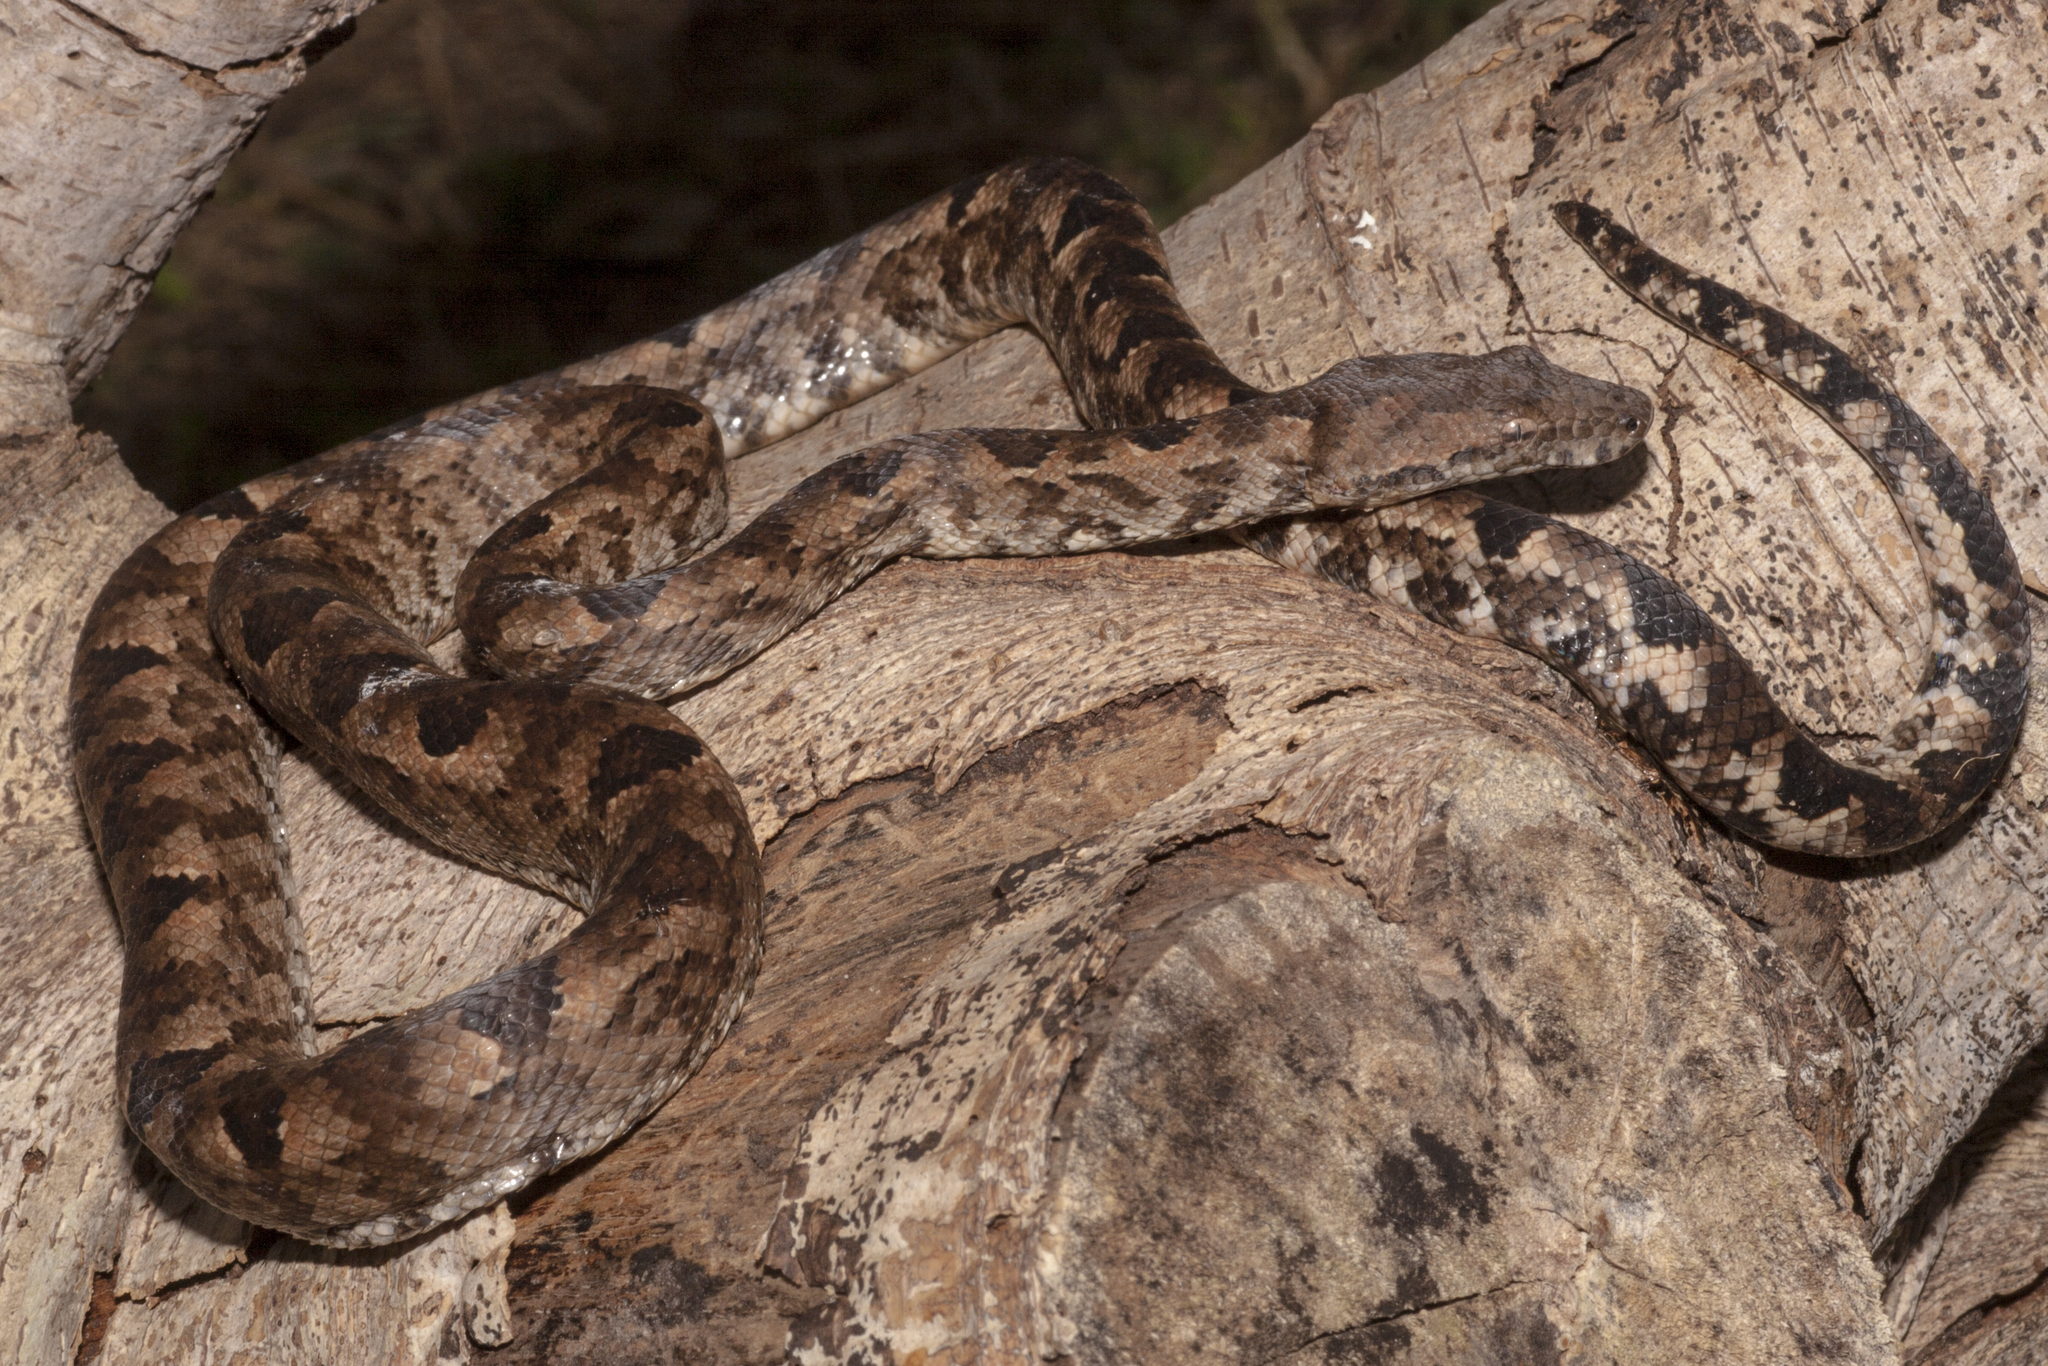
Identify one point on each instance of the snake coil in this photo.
(555, 519)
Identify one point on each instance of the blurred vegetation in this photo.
(467, 191)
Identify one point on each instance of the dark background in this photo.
(467, 191)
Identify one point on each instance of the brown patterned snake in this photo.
(321, 585)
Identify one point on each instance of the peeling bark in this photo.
(1171, 959)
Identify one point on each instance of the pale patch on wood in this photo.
(428, 1302)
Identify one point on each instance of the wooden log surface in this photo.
(1171, 959)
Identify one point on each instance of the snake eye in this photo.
(1514, 431)
(1632, 425)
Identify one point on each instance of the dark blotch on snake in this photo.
(274, 527)
(1149, 326)
(1022, 450)
(126, 764)
(961, 198)
(274, 618)
(1574, 647)
(255, 1125)
(158, 899)
(1162, 435)
(1100, 200)
(1501, 528)
(635, 753)
(660, 408)
(101, 669)
(151, 1079)
(450, 720)
(515, 1010)
(1119, 264)
(333, 692)
(232, 506)
(1663, 614)
(1115, 486)
(523, 529)
(866, 474)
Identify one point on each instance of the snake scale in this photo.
(555, 520)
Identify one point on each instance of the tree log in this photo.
(1171, 959)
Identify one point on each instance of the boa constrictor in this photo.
(319, 588)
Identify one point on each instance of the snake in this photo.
(560, 523)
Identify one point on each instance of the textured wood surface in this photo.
(1025, 821)
(116, 119)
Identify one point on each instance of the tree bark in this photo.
(1171, 959)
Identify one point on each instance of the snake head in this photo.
(1404, 426)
